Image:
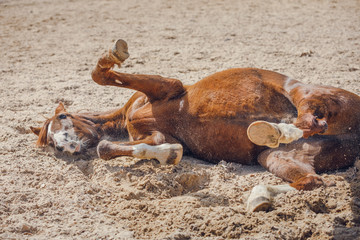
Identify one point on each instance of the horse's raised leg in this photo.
(153, 86)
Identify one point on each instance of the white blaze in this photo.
(66, 136)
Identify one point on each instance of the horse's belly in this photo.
(216, 140)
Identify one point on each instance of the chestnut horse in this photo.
(245, 115)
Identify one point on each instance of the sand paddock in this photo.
(48, 51)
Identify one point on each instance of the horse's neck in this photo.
(111, 123)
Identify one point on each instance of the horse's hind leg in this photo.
(268, 134)
(153, 86)
(290, 164)
(293, 162)
(299, 164)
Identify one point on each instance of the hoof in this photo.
(175, 154)
(261, 196)
(169, 153)
(104, 150)
(259, 199)
(165, 153)
(259, 204)
(264, 134)
(120, 50)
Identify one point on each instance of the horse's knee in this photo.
(99, 76)
(105, 149)
(174, 89)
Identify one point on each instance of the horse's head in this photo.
(67, 132)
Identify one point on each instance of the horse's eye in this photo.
(62, 116)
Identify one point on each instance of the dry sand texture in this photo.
(48, 49)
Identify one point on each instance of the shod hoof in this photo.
(264, 134)
(120, 50)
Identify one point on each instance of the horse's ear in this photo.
(36, 130)
(43, 138)
(60, 108)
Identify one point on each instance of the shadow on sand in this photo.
(349, 227)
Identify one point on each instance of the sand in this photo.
(48, 50)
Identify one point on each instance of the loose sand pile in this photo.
(48, 50)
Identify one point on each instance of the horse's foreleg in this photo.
(165, 153)
(148, 148)
(155, 87)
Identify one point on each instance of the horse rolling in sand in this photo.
(247, 116)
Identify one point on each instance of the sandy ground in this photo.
(48, 49)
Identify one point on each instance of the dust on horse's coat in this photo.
(239, 115)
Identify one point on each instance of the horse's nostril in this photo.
(59, 148)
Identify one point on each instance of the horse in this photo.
(243, 115)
